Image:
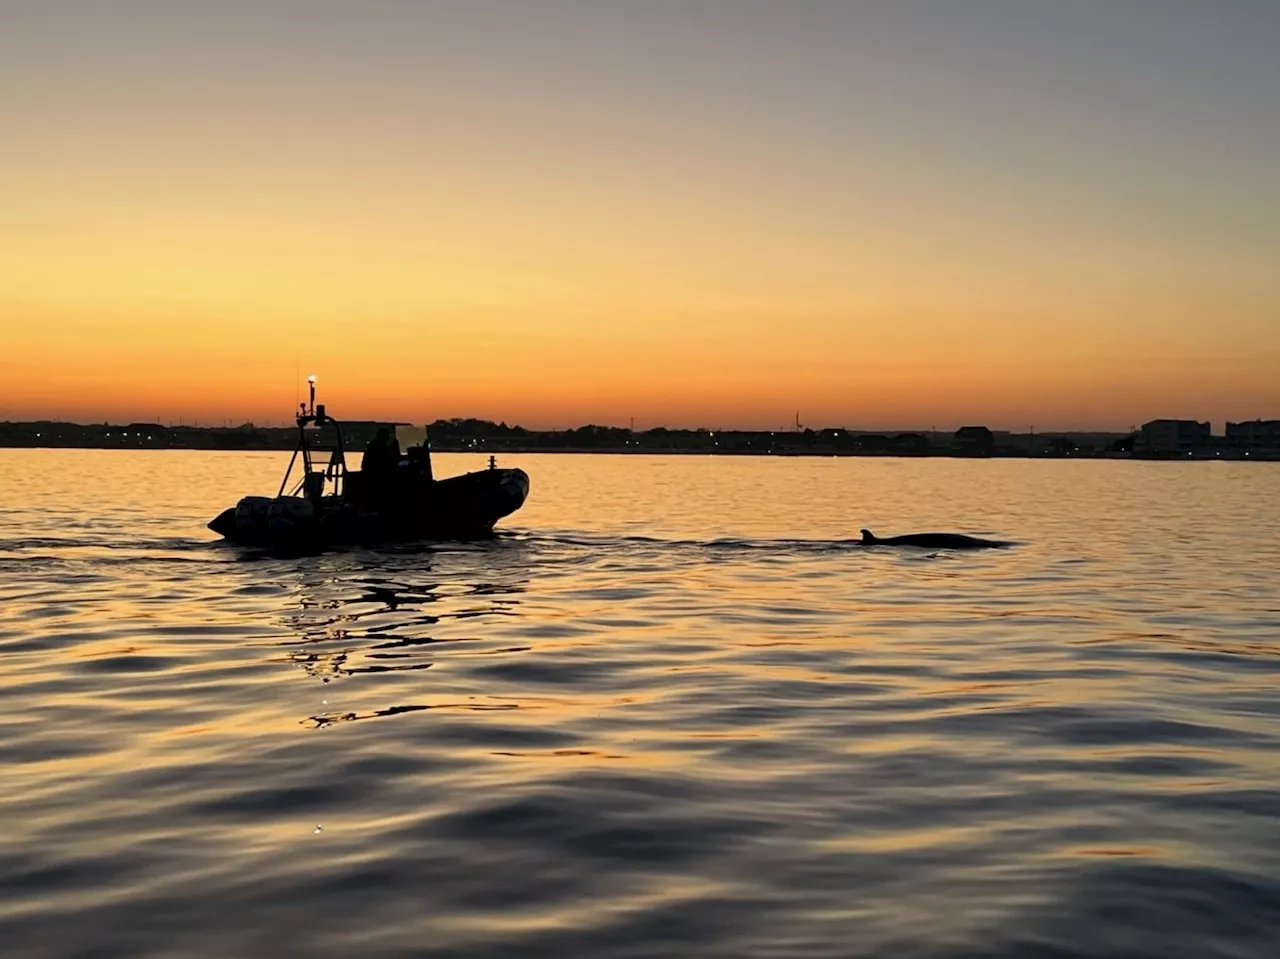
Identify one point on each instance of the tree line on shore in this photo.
(471, 434)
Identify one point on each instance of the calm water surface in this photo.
(672, 711)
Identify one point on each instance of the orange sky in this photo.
(570, 217)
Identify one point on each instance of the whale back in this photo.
(930, 540)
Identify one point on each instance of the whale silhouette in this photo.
(931, 541)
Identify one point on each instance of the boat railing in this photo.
(316, 479)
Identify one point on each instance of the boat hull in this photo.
(460, 507)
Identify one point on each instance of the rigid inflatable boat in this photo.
(393, 499)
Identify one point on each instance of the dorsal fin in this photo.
(868, 536)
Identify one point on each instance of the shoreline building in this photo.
(973, 441)
(1254, 436)
(1173, 436)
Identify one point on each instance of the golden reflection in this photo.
(909, 839)
(1150, 852)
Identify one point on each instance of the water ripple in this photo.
(646, 724)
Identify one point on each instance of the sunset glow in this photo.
(558, 213)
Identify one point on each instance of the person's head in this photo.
(383, 434)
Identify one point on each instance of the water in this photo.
(673, 711)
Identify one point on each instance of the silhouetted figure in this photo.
(379, 466)
(382, 453)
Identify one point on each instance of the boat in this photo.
(323, 504)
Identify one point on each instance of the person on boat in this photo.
(382, 454)
(378, 466)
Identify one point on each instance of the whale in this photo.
(931, 541)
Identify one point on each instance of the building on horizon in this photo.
(356, 434)
(1173, 436)
(1254, 436)
(974, 440)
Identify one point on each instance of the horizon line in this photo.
(271, 424)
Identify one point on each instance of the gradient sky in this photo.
(884, 214)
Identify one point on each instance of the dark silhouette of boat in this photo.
(393, 498)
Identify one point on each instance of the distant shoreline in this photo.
(498, 439)
(654, 451)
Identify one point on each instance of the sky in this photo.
(879, 214)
